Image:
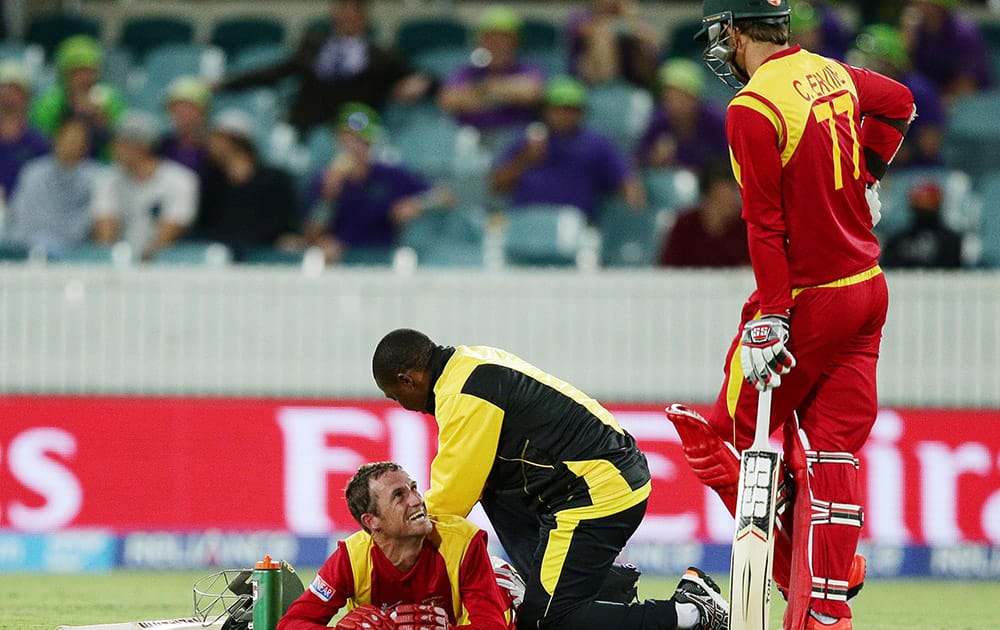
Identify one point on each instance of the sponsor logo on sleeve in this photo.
(321, 589)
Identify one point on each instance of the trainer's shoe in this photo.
(697, 588)
(843, 623)
(856, 576)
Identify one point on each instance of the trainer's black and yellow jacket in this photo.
(509, 428)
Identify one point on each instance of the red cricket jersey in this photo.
(427, 582)
(798, 134)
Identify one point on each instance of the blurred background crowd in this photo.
(592, 137)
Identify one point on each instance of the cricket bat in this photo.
(753, 542)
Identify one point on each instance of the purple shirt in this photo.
(14, 155)
(579, 168)
(930, 113)
(361, 217)
(500, 115)
(707, 145)
(957, 49)
(192, 157)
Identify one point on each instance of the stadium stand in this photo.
(48, 30)
(140, 35)
(989, 229)
(545, 235)
(420, 35)
(149, 51)
(234, 35)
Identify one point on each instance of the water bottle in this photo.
(266, 594)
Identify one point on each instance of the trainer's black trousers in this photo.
(578, 569)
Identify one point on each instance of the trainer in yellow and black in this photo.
(562, 483)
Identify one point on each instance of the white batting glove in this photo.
(763, 354)
(874, 203)
(508, 580)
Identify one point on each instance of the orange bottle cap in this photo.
(267, 563)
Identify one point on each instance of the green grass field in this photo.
(41, 602)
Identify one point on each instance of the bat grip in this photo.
(763, 429)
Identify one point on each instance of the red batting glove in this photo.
(366, 617)
(420, 617)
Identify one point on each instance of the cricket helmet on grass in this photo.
(229, 594)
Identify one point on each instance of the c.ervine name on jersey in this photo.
(817, 84)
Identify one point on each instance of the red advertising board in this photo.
(139, 464)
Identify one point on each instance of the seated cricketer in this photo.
(562, 483)
(406, 569)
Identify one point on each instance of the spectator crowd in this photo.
(608, 110)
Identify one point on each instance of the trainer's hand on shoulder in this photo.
(763, 354)
(420, 617)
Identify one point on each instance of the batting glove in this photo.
(420, 617)
(509, 581)
(366, 617)
(763, 354)
(874, 203)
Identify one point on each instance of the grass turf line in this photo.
(42, 602)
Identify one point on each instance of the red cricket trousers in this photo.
(835, 334)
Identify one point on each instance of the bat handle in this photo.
(763, 428)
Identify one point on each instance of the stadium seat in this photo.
(271, 256)
(441, 62)
(49, 30)
(447, 238)
(632, 239)
(368, 256)
(91, 253)
(553, 62)
(620, 111)
(194, 254)
(116, 68)
(418, 35)
(972, 135)
(540, 35)
(397, 117)
(960, 210)
(166, 63)
(544, 235)
(257, 56)
(142, 34)
(989, 227)
(236, 34)
(431, 148)
(670, 189)
(12, 252)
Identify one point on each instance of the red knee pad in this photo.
(714, 461)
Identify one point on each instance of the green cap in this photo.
(565, 90)
(805, 17)
(190, 89)
(500, 19)
(884, 43)
(712, 10)
(682, 74)
(79, 51)
(14, 73)
(360, 119)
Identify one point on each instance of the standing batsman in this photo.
(809, 137)
(563, 484)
